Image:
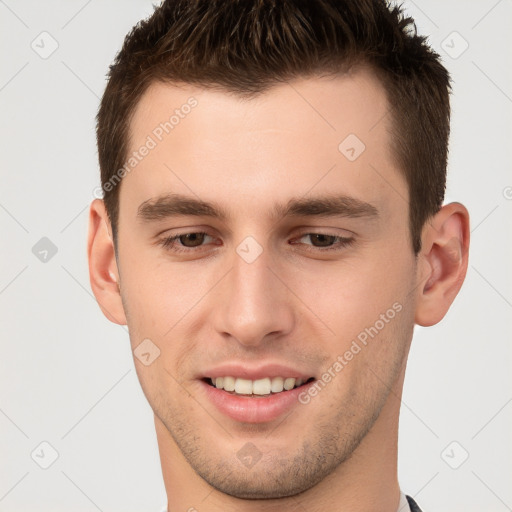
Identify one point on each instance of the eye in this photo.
(193, 241)
(326, 242)
(184, 242)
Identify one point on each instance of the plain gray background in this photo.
(67, 377)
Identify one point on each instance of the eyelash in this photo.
(168, 243)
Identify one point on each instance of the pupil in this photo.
(195, 238)
(325, 240)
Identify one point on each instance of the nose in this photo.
(252, 305)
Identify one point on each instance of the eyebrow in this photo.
(171, 205)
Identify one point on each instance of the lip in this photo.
(260, 372)
(257, 409)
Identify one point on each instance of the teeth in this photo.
(263, 386)
(289, 383)
(229, 383)
(277, 384)
(243, 386)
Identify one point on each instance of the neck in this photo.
(366, 481)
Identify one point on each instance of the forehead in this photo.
(354, 100)
(316, 132)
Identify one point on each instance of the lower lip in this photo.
(254, 409)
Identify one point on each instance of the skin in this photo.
(294, 304)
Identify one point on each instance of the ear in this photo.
(103, 271)
(442, 263)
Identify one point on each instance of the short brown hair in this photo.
(246, 46)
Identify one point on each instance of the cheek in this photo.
(351, 295)
(156, 293)
(161, 300)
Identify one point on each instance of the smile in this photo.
(260, 387)
(254, 401)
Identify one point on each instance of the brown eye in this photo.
(192, 239)
(184, 242)
(322, 240)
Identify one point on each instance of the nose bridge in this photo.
(252, 303)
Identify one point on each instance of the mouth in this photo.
(255, 401)
(259, 388)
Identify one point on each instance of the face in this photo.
(262, 241)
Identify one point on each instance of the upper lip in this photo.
(246, 371)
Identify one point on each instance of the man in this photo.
(271, 231)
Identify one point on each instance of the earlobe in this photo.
(103, 271)
(443, 263)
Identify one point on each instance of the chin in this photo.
(272, 477)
